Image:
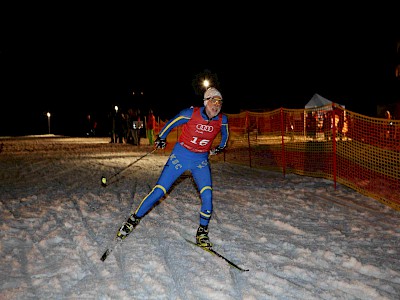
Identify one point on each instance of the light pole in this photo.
(48, 120)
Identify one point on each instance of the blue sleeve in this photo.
(224, 132)
(181, 118)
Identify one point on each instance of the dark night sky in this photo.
(72, 64)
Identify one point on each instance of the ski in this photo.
(212, 251)
(110, 249)
(117, 241)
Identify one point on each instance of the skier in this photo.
(201, 125)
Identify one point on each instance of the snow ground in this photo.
(298, 236)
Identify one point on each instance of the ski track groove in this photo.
(301, 286)
(121, 262)
(232, 271)
(119, 251)
(86, 225)
(178, 289)
(25, 272)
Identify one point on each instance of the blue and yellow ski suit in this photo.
(189, 153)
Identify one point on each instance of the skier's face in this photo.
(213, 107)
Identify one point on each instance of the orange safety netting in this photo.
(330, 142)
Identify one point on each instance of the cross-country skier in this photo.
(201, 125)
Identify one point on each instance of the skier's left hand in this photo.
(160, 143)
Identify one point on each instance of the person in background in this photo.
(90, 126)
(129, 120)
(200, 126)
(119, 128)
(389, 131)
(150, 126)
(340, 124)
(327, 125)
(133, 136)
(112, 116)
(311, 125)
(137, 126)
(125, 127)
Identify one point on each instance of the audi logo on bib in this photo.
(202, 127)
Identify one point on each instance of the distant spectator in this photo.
(290, 126)
(311, 125)
(119, 128)
(327, 125)
(90, 126)
(112, 115)
(150, 126)
(390, 128)
(340, 124)
(135, 124)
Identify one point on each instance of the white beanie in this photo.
(211, 93)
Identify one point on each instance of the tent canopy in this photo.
(318, 101)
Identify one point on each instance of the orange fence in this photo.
(330, 142)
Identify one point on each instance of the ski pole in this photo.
(104, 179)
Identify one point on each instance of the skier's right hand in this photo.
(216, 150)
(160, 143)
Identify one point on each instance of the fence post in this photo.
(283, 143)
(248, 136)
(334, 145)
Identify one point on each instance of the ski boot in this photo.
(127, 227)
(202, 237)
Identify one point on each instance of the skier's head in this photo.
(212, 94)
(212, 101)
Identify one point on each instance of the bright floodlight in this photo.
(206, 83)
(116, 108)
(48, 121)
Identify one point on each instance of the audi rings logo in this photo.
(202, 127)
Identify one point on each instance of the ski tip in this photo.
(104, 256)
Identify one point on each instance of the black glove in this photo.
(216, 150)
(160, 143)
